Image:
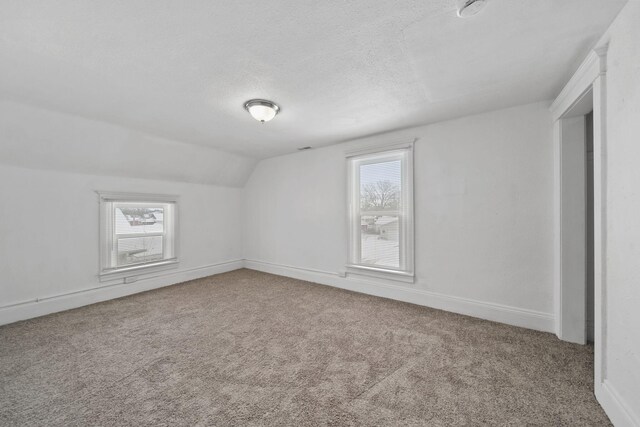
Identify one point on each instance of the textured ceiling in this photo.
(339, 70)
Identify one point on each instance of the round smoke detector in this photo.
(467, 8)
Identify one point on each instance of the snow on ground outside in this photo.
(134, 250)
(379, 251)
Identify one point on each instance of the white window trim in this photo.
(109, 274)
(408, 274)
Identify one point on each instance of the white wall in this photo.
(49, 234)
(622, 359)
(483, 214)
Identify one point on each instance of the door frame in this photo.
(589, 80)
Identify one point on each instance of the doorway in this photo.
(575, 237)
(580, 257)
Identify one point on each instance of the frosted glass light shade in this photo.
(262, 110)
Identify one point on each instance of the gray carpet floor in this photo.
(248, 348)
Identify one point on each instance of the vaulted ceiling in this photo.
(339, 70)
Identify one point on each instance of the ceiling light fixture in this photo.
(467, 8)
(261, 109)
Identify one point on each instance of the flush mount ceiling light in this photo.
(467, 8)
(261, 109)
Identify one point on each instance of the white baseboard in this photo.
(75, 299)
(619, 413)
(484, 310)
(490, 311)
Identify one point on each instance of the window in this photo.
(381, 211)
(138, 234)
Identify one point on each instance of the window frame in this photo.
(108, 201)
(371, 155)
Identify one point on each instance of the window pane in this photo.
(380, 186)
(135, 250)
(379, 239)
(136, 219)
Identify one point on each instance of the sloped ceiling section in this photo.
(340, 70)
(41, 139)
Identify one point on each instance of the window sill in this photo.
(137, 270)
(381, 273)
